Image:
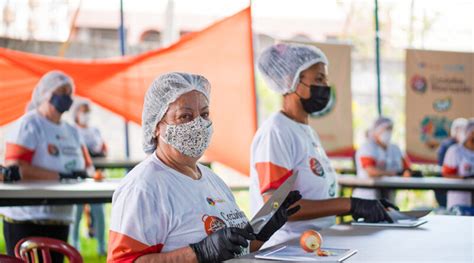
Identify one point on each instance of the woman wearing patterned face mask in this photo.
(285, 144)
(44, 147)
(169, 208)
(379, 157)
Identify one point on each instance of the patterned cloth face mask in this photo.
(191, 138)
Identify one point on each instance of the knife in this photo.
(410, 215)
(265, 213)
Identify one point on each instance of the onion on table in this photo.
(312, 241)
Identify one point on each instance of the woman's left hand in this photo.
(280, 217)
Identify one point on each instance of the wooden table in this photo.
(442, 239)
(407, 183)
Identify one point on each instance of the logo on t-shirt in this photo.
(316, 167)
(212, 224)
(213, 201)
(53, 149)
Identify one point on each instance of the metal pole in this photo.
(122, 52)
(377, 58)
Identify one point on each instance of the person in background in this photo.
(379, 157)
(286, 144)
(44, 147)
(97, 148)
(459, 163)
(456, 136)
(170, 208)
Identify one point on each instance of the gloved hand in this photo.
(279, 218)
(222, 245)
(80, 174)
(10, 173)
(74, 175)
(372, 211)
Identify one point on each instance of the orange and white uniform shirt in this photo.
(459, 161)
(371, 154)
(92, 139)
(281, 148)
(157, 209)
(42, 143)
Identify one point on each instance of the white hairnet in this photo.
(47, 85)
(282, 64)
(469, 128)
(457, 126)
(163, 91)
(380, 123)
(78, 102)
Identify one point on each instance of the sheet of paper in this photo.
(296, 253)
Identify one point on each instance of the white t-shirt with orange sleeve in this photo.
(280, 148)
(459, 161)
(157, 209)
(42, 143)
(372, 154)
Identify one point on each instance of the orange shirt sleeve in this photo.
(271, 176)
(448, 171)
(367, 161)
(16, 152)
(124, 249)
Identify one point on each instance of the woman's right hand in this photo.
(222, 245)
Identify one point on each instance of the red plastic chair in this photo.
(10, 259)
(28, 249)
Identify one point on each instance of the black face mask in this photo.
(61, 103)
(319, 99)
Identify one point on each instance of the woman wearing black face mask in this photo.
(286, 144)
(44, 147)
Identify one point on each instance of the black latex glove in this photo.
(67, 176)
(73, 175)
(387, 204)
(80, 174)
(222, 245)
(10, 173)
(372, 211)
(280, 217)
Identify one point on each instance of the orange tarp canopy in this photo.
(222, 53)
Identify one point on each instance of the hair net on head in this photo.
(47, 85)
(469, 128)
(78, 102)
(380, 123)
(163, 91)
(457, 126)
(282, 64)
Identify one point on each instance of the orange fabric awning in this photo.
(222, 53)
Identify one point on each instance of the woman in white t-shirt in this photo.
(286, 144)
(378, 157)
(459, 163)
(169, 208)
(97, 148)
(44, 148)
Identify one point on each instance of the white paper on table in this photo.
(296, 253)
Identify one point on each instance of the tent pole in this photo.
(122, 52)
(377, 58)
